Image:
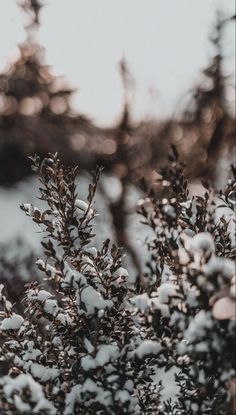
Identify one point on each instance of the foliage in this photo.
(89, 341)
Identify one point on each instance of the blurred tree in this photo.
(36, 116)
(35, 112)
(217, 127)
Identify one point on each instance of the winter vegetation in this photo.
(89, 340)
(117, 247)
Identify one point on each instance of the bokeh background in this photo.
(113, 84)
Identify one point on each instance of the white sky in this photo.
(164, 41)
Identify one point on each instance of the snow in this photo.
(199, 326)
(121, 272)
(183, 256)
(219, 265)
(71, 399)
(191, 297)
(88, 266)
(198, 245)
(40, 263)
(30, 209)
(119, 276)
(83, 207)
(79, 392)
(129, 385)
(201, 245)
(51, 270)
(12, 387)
(51, 307)
(122, 396)
(141, 302)
(232, 197)
(92, 300)
(31, 353)
(224, 308)
(64, 319)
(106, 353)
(26, 230)
(87, 296)
(12, 323)
(186, 204)
(167, 379)
(148, 347)
(21, 405)
(88, 345)
(229, 214)
(194, 407)
(43, 295)
(166, 291)
(72, 278)
(80, 204)
(92, 251)
(56, 341)
(158, 301)
(44, 374)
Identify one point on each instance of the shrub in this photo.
(89, 341)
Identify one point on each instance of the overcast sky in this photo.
(165, 43)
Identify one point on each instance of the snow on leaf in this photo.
(141, 302)
(121, 272)
(219, 265)
(92, 300)
(12, 323)
(51, 307)
(80, 204)
(224, 308)
(44, 374)
(37, 402)
(105, 354)
(199, 326)
(166, 291)
(147, 347)
(73, 278)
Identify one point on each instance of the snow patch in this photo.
(148, 347)
(12, 323)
